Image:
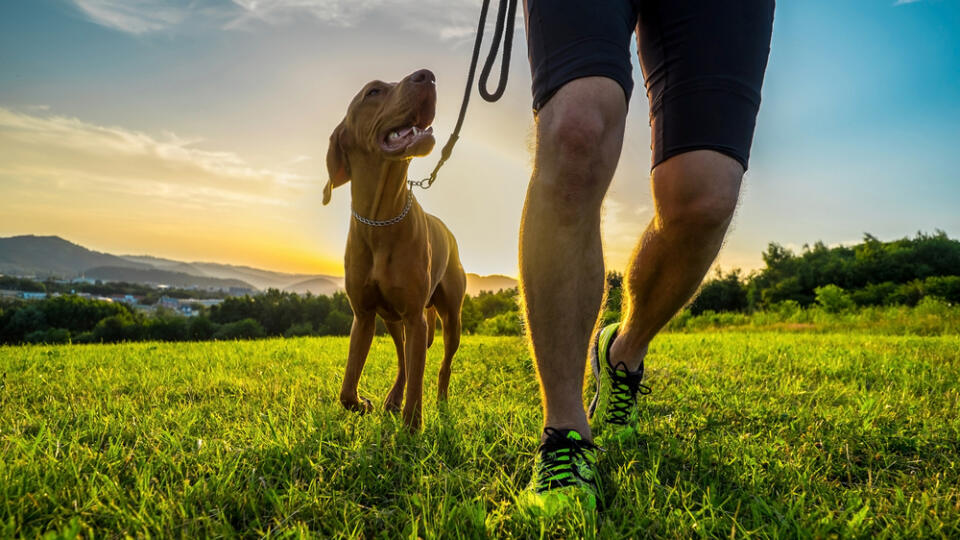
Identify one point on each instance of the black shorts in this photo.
(702, 60)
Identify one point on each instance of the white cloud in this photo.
(343, 12)
(68, 153)
(134, 16)
(446, 19)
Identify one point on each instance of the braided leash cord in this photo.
(506, 17)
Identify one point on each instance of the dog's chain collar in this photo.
(385, 222)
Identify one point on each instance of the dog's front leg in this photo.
(415, 356)
(361, 335)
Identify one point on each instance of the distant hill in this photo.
(154, 276)
(52, 256)
(493, 283)
(261, 279)
(316, 286)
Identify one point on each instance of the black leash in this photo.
(506, 16)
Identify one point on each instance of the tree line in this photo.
(835, 279)
(871, 273)
(73, 319)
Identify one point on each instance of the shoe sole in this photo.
(595, 366)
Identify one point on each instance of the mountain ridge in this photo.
(56, 257)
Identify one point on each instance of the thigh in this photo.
(571, 39)
(703, 63)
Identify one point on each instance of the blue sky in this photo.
(197, 129)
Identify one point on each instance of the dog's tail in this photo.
(431, 324)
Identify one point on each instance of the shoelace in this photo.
(558, 456)
(625, 385)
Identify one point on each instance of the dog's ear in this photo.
(337, 166)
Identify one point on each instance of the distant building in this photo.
(33, 295)
(128, 299)
(239, 291)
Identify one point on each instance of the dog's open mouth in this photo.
(401, 138)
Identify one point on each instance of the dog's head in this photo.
(385, 121)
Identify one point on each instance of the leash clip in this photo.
(502, 33)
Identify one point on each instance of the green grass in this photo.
(779, 435)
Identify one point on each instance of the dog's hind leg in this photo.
(431, 325)
(361, 334)
(451, 342)
(449, 302)
(395, 398)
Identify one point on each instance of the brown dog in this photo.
(401, 263)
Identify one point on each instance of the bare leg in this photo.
(395, 397)
(361, 335)
(415, 356)
(695, 194)
(579, 136)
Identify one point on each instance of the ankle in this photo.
(583, 428)
(627, 351)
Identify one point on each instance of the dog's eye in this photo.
(372, 92)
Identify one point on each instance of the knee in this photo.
(574, 160)
(573, 133)
(701, 202)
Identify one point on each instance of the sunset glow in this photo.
(199, 132)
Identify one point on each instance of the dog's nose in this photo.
(423, 76)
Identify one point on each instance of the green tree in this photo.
(722, 293)
(833, 299)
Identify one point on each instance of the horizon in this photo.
(197, 132)
(792, 248)
(151, 256)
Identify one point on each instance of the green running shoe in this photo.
(564, 475)
(613, 411)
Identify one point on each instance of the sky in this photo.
(197, 129)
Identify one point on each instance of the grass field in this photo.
(779, 435)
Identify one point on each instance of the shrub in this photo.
(680, 320)
(245, 329)
(299, 329)
(337, 323)
(201, 328)
(50, 336)
(117, 328)
(945, 287)
(833, 299)
(504, 324)
(786, 308)
(874, 294)
(932, 306)
(723, 293)
(168, 328)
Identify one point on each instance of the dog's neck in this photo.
(379, 190)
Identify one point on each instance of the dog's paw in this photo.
(363, 406)
(392, 405)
